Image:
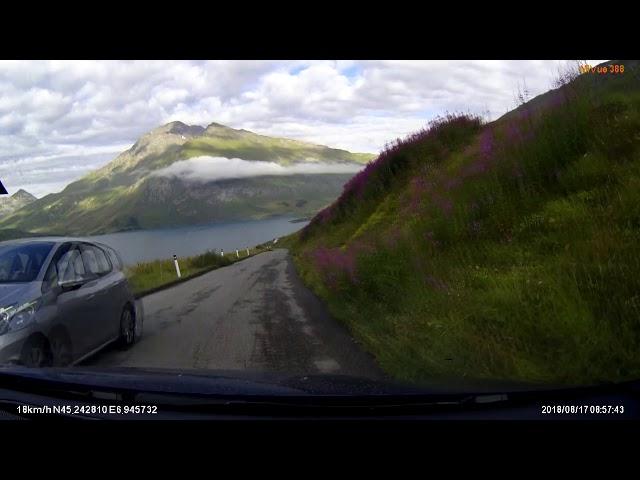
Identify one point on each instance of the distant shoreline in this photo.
(12, 234)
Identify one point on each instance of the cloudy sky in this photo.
(61, 119)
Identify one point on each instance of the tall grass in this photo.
(509, 250)
(146, 276)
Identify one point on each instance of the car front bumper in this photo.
(11, 345)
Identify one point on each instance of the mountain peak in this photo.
(217, 125)
(179, 128)
(160, 137)
(11, 203)
(23, 194)
(223, 131)
(214, 127)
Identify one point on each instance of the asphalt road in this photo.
(253, 315)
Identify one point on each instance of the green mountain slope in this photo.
(126, 193)
(509, 250)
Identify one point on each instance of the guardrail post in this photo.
(175, 262)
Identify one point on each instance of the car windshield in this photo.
(22, 263)
(411, 222)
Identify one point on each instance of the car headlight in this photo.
(17, 317)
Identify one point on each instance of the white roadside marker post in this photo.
(175, 262)
(221, 252)
(247, 252)
(237, 254)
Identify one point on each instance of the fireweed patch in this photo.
(440, 136)
(334, 264)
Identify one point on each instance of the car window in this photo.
(94, 259)
(104, 266)
(115, 260)
(50, 279)
(22, 263)
(90, 260)
(71, 267)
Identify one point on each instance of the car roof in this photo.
(55, 240)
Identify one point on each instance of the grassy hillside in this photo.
(125, 195)
(219, 140)
(509, 250)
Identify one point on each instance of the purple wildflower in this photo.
(475, 227)
(557, 100)
(436, 283)
(452, 183)
(333, 263)
(419, 188)
(393, 237)
(444, 204)
(487, 143)
(514, 133)
(525, 115)
(431, 239)
(517, 172)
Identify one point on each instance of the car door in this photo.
(117, 289)
(107, 317)
(121, 290)
(98, 291)
(76, 306)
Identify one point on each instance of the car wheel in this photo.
(127, 328)
(35, 353)
(60, 350)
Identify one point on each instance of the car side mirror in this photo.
(69, 285)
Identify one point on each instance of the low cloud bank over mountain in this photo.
(209, 169)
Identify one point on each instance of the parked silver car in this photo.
(61, 300)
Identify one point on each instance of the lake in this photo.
(146, 245)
